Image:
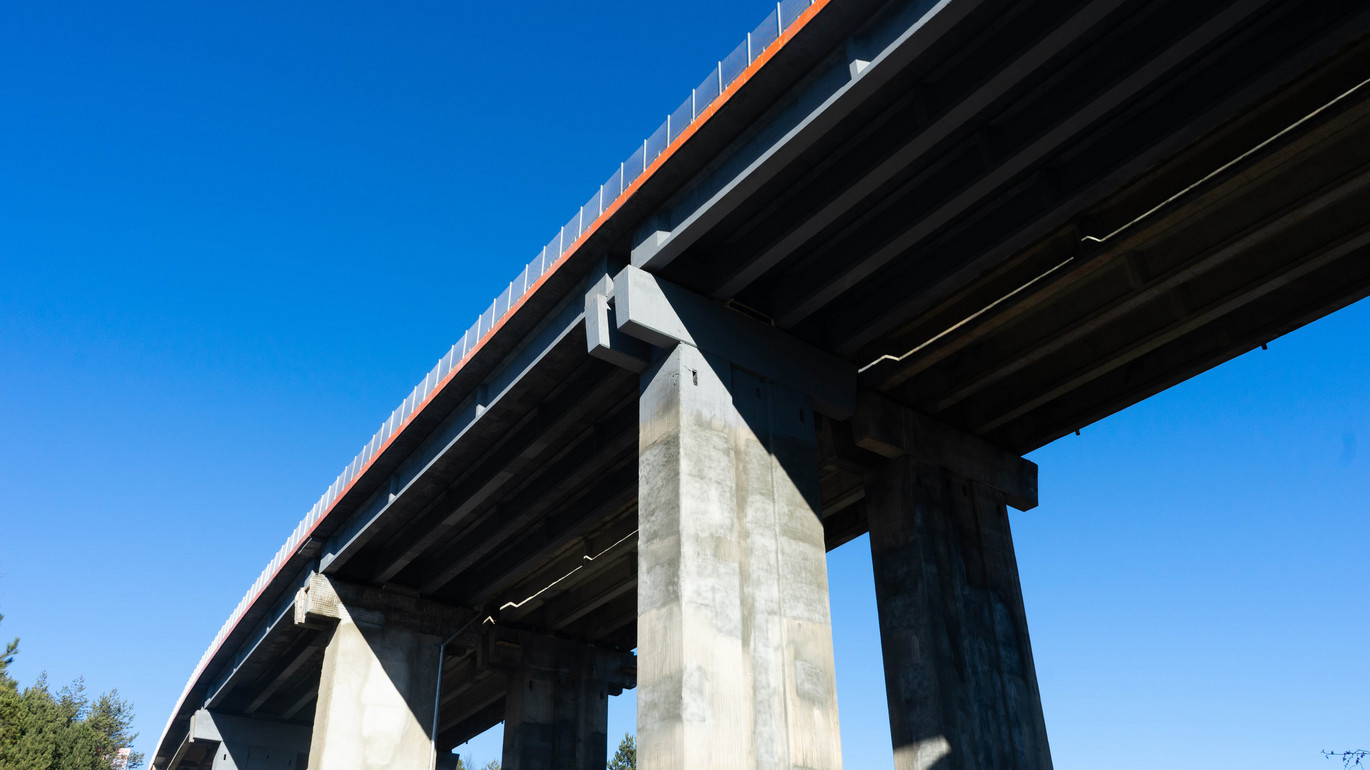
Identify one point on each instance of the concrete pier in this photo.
(380, 673)
(556, 699)
(554, 720)
(734, 633)
(958, 665)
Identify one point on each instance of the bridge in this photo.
(881, 252)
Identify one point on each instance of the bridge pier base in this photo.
(735, 658)
(959, 675)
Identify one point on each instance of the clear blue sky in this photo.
(234, 235)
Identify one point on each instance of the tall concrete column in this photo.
(735, 660)
(959, 675)
(379, 679)
(557, 699)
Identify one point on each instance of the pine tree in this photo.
(11, 650)
(626, 756)
(66, 731)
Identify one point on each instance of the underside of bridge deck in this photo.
(1066, 208)
(1033, 216)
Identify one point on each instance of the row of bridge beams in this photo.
(1056, 209)
(734, 665)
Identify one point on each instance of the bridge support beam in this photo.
(734, 634)
(959, 675)
(379, 679)
(557, 699)
(249, 744)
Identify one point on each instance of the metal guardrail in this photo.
(723, 74)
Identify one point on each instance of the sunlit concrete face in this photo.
(375, 683)
(734, 632)
(375, 706)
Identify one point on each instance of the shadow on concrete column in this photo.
(250, 744)
(958, 665)
(380, 669)
(735, 660)
(557, 699)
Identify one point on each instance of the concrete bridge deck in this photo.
(958, 230)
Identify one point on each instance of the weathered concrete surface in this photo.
(890, 429)
(556, 699)
(250, 744)
(958, 665)
(735, 661)
(380, 673)
(555, 719)
(663, 314)
(375, 700)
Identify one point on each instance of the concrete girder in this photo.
(831, 94)
(496, 391)
(1173, 351)
(1070, 210)
(807, 296)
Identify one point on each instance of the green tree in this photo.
(11, 650)
(626, 756)
(66, 731)
(491, 765)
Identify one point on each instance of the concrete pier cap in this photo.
(735, 644)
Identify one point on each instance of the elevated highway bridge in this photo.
(884, 250)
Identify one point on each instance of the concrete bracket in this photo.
(665, 315)
(323, 602)
(603, 339)
(893, 430)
